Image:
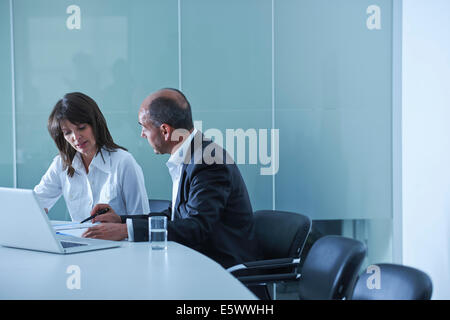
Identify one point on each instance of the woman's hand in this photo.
(110, 216)
(111, 227)
(107, 231)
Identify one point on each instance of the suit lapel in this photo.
(180, 190)
(192, 157)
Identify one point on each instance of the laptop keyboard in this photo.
(66, 244)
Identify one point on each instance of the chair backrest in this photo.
(331, 268)
(159, 205)
(281, 234)
(396, 282)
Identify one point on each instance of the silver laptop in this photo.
(24, 224)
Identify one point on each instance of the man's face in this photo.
(151, 132)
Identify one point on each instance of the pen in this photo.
(99, 212)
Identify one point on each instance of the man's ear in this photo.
(166, 131)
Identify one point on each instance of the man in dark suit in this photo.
(211, 210)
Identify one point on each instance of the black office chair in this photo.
(396, 282)
(331, 268)
(329, 271)
(281, 236)
(159, 205)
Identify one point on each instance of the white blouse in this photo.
(115, 179)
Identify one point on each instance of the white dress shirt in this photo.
(115, 179)
(175, 165)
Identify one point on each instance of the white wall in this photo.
(426, 140)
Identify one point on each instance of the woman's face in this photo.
(80, 137)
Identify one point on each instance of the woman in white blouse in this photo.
(90, 167)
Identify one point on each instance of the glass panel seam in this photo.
(13, 93)
(179, 46)
(273, 95)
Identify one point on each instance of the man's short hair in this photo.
(175, 112)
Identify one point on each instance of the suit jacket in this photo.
(213, 213)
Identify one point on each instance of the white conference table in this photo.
(133, 271)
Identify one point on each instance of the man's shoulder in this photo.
(211, 170)
(207, 154)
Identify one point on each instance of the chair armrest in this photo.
(269, 278)
(266, 264)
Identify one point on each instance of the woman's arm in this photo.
(49, 188)
(133, 190)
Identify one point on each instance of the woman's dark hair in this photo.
(78, 108)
